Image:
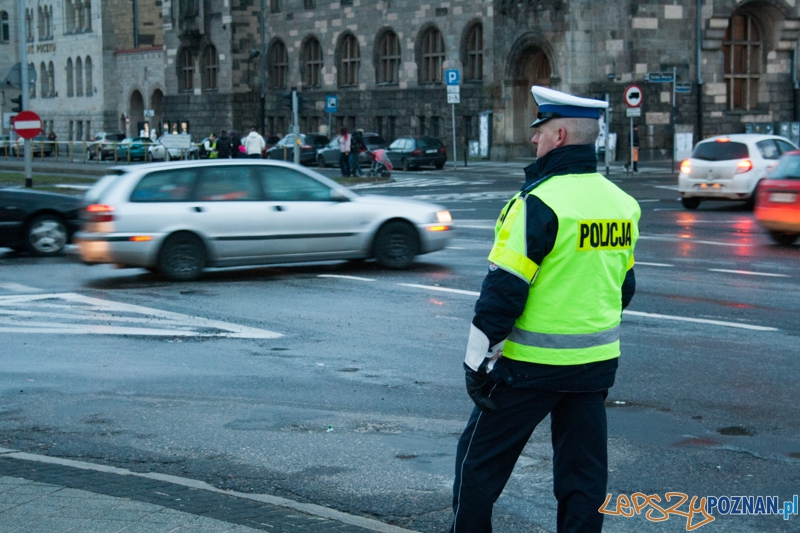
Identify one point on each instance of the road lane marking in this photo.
(17, 287)
(442, 289)
(669, 238)
(344, 277)
(652, 200)
(749, 273)
(653, 264)
(700, 321)
(45, 313)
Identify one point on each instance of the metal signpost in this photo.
(23, 60)
(453, 79)
(633, 99)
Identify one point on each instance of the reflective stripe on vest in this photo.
(564, 341)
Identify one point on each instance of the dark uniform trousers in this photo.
(492, 443)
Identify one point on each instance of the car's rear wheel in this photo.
(404, 164)
(690, 203)
(786, 239)
(46, 236)
(396, 245)
(182, 257)
(321, 161)
(439, 166)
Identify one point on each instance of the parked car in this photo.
(179, 218)
(41, 223)
(269, 142)
(729, 167)
(778, 200)
(310, 143)
(103, 145)
(40, 145)
(329, 155)
(136, 146)
(408, 153)
(157, 151)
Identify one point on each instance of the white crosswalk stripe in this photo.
(415, 181)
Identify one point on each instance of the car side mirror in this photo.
(339, 196)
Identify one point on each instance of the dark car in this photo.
(40, 145)
(407, 153)
(329, 156)
(269, 142)
(310, 143)
(104, 144)
(41, 223)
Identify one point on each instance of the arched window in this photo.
(741, 49)
(78, 77)
(5, 29)
(185, 70)
(69, 17)
(210, 67)
(40, 22)
(29, 25)
(278, 63)
(89, 85)
(51, 79)
(87, 16)
(70, 78)
(474, 56)
(44, 85)
(349, 61)
(389, 59)
(430, 70)
(312, 63)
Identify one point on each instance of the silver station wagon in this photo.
(179, 218)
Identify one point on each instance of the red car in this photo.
(778, 200)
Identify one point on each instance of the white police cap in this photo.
(555, 104)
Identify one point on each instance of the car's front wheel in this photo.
(182, 257)
(405, 165)
(321, 161)
(396, 245)
(46, 236)
(690, 203)
(786, 239)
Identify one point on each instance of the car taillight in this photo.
(686, 167)
(306, 147)
(442, 150)
(416, 152)
(100, 213)
(745, 165)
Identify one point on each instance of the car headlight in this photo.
(443, 216)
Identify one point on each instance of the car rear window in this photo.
(788, 168)
(165, 186)
(720, 151)
(374, 140)
(428, 143)
(96, 192)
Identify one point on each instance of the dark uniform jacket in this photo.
(503, 295)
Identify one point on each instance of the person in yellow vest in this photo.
(545, 335)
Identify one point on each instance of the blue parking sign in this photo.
(331, 103)
(452, 77)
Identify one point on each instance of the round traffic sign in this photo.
(27, 124)
(633, 96)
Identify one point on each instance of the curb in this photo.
(307, 508)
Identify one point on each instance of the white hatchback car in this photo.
(729, 167)
(178, 218)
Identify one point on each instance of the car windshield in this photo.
(788, 168)
(428, 143)
(373, 140)
(720, 151)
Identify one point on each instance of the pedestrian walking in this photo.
(236, 145)
(253, 144)
(357, 146)
(224, 145)
(344, 151)
(545, 335)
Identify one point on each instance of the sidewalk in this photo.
(41, 494)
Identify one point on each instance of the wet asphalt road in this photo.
(359, 404)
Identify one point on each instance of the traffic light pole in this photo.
(26, 90)
(296, 118)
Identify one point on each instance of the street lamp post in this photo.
(262, 27)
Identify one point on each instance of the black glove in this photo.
(478, 389)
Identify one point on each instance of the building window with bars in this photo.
(5, 28)
(185, 70)
(741, 49)
(278, 64)
(474, 55)
(389, 59)
(349, 61)
(275, 6)
(210, 68)
(309, 4)
(89, 85)
(312, 63)
(432, 57)
(70, 78)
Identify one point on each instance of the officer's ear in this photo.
(560, 136)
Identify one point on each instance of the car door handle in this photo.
(277, 207)
(198, 209)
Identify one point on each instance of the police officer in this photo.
(545, 336)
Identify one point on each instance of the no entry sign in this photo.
(27, 124)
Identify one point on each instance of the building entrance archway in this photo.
(157, 105)
(532, 68)
(136, 114)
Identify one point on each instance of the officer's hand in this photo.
(478, 389)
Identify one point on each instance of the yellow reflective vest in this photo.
(574, 306)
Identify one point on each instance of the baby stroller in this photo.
(381, 166)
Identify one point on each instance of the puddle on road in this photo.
(736, 431)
